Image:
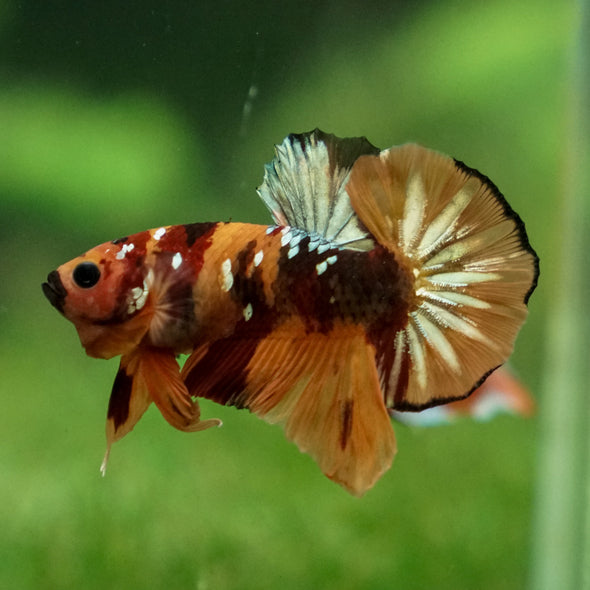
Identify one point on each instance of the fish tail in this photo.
(469, 259)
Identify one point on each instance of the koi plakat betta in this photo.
(391, 280)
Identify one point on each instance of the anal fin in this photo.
(323, 388)
(159, 374)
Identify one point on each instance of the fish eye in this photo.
(86, 275)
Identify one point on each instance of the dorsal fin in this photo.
(304, 186)
(471, 262)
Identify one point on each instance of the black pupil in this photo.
(86, 275)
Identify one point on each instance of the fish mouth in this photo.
(54, 290)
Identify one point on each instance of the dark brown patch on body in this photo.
(131, 278)
(221, 375)
(369, 289)
(120, 397)
(366, 288)
(248, 285)
(194, 231)
(274, 230)
(362, 288)
(177, 300)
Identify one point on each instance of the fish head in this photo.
(103, 294)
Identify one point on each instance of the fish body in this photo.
(390, 280)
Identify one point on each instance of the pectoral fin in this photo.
(127, 404)
(160, 375)
(145, 376)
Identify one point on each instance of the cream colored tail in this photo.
(471, 262)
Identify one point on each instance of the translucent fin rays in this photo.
(472, 265)
(304, 187)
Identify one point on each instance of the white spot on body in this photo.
(120, 255)
(286, 236)
(258, 257)
(314, 242)
(141, 299)
(226, 278)
(296, 237)
(321, 267)
(270, 229)
(324, 247)
(159, 233)
(248, 311)
(293, 252)
(176, 260)
(332, 259)
(138, 298)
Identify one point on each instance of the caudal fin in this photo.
(472, 266)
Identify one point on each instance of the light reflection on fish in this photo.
(391, 280)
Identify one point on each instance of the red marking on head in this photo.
(191, 241)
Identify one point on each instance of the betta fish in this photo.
(390, 280)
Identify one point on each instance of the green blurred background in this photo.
(116, 117)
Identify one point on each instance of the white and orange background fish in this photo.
(392, 280)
